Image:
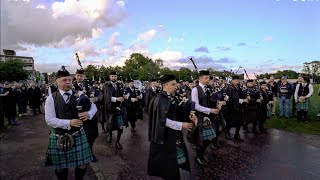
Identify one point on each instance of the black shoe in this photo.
(287, 118)
(228, 136)
(201, 161)
(40, 112)
(109, 139)
(254, 131)
(206, 160)
(216, 145)
(118, 145)
(94, 158)
(246, 130)
(237, 138)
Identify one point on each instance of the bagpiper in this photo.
(68, 145)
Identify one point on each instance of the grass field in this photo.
(311, 127)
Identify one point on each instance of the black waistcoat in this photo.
(203, 97)
(65, 110)
(303, 91)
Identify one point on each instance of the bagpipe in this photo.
(83, 101)
(186, 107)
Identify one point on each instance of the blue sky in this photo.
(262, 36)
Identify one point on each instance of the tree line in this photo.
(138, 66)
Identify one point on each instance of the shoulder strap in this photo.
(55, 101)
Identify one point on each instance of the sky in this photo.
(261, 36)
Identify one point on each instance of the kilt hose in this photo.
(80, 153)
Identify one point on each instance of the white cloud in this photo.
(60, 21)
(83, 8)
(170, 40)
(148, 35)
(114, 39)
(96, 32)
(268, 39)
(41, 6)
(170, 58)
(121, 4)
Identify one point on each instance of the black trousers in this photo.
(91, 140)
(202, 148)
(1, 120)
(237, 129)
(293, 110)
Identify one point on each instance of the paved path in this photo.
(22, 152)
(275, 155)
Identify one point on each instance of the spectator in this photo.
(35, 98)
(10, 103)
(22, 95)
(303, 92)
(285, 91)
(273, 86)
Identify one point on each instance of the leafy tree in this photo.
(45, 76)
(184, 73)
(311, 68)
(12, 70)
(91, 72)
(141, 67)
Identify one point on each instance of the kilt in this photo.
(208, 134)
(119, 122)
(181, 156)
(269, 110)
(304, 106)
(80, 153)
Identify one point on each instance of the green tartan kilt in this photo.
(208, 134)
(119, 122)
(80, 154)
(304, 106)
(181, 156)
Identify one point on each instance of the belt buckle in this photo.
(206, 122)
(65, 142)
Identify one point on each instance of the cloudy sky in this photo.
(262, 36)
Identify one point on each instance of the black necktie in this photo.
(68, 98)
(80, 85)
(205, 89)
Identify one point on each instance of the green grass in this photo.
(311, 127)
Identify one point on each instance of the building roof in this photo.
(1, 55)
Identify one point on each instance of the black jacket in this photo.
(163, 154)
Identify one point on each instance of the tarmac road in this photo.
(275, 155)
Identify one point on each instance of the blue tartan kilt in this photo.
(304, 106)
(80, 154)
(209, 134)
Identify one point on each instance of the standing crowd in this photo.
(17, 98)
(206, 109)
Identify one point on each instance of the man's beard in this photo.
(114, 80)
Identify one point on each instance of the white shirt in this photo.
(51, 117)
(49, 91)
(297, 90)
(175, 125)
(195, 98)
